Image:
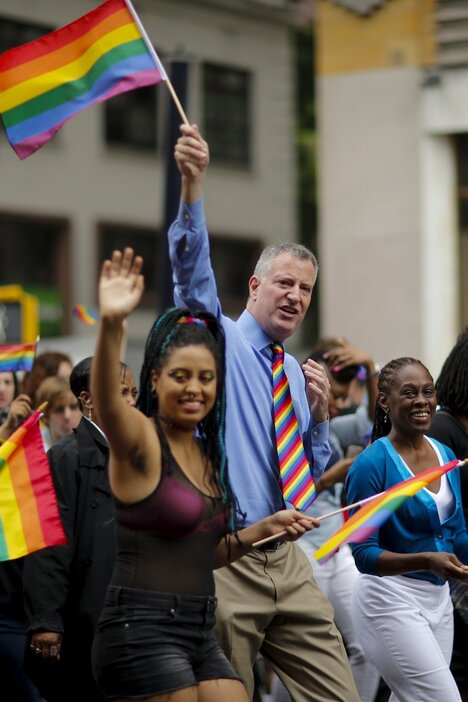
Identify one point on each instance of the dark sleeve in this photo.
(46, 575)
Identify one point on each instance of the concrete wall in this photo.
(389, 239)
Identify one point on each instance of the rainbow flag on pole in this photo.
(17, 357)
(29, 515)
(46, 82)
(373, 514)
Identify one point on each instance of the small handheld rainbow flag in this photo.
(374, 513)
(17, 357)
(29, 515)
(85, 315)
(46, 82)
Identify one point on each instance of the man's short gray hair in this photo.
(271, 252)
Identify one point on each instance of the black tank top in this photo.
(166, 542)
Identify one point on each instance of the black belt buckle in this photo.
(272, 545)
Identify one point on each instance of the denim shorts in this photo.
(149, 643)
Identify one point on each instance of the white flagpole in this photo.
(157, 60)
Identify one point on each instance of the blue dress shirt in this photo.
(415, 526)
(250, 434)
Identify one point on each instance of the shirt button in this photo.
(126, 625)
(94, 504)
(315, 433)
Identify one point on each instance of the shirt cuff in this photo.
(191, 216)
(320, 433)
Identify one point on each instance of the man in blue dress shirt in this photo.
(268, 600)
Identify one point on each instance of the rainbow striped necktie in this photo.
(296, 479)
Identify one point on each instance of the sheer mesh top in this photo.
(166, 541)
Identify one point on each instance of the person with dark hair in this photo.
(337, 577)
(294, 631)
(176, 513)
(64, 586)
(450, 426)
(402, 609)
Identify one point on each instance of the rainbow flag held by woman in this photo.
(375, 512)
(29, 515)
(17, 357)
(46, 82)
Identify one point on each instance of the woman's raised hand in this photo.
(121, 284)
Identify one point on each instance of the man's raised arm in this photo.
(189, 251)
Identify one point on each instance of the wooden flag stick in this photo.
(319, 519)
(177, 102)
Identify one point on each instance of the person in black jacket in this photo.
(64, 586)
(450, 426)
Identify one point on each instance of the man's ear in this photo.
(254, 285)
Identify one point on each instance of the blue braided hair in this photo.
(173, 329)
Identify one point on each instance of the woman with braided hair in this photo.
(402, 609)
(176, 514)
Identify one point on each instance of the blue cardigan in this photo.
(415, 526)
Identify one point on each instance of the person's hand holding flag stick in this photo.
(376, 509)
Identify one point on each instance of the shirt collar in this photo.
(253, 331)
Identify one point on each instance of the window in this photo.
(145, 242)
(43, 270)
(227, 114)
(233, 261)
(130, 119)
(451, 33)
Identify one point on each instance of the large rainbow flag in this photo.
(46, 82)
(29, 515)
(17, 357)
(373, 514)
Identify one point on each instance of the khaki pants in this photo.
(268, 602)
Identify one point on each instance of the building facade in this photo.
(393, 166)
(100, 183)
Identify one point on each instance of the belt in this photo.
(272, 545)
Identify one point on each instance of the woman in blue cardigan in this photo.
(401, 607)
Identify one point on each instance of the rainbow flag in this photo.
(46, 82)
(373, 514)
(29, 515)
(17, 357)
(85, 315)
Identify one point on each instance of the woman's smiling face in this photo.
(186, 385)
(412, 402)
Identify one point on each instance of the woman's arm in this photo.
(129, 432)
(445, 565)
(287, 520)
